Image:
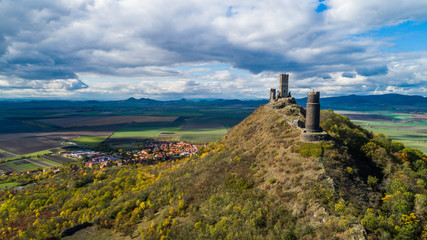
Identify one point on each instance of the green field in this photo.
(147, 129)
(30, 155)
(90, 141)
(31, 164)
(23, 167)
(39, 153)
(48, 161)
(199, 135)
(403, 128)
(143, 132)
(191, 130)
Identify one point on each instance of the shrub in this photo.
(372, 181)
(310, 150)
(350, 170)
(238, 183)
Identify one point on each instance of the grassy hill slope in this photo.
(259, 182)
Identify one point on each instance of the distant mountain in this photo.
(394, 102)
(389, 102)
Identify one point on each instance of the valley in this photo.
(35, 131)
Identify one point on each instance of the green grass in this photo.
(137, 131)
(90, 141)
(201, 134)
(23, 167)
(4, 151)
(9, 184)
(49, 161)
(39, 153)
(401, 129)
(421, 124)
(183, 130)
(29, 155)
(30, 165)
(398, 132)
(398, 116)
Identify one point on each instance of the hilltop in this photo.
(258, 182)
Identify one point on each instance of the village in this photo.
(152, 151)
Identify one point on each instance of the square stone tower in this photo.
(283, 90)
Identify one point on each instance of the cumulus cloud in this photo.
(60, 44)
(51, 85)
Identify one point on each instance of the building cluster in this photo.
(92, 158)
(165, 150)
(80, 154)
(101, 161)
(153, 151)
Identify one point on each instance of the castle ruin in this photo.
(283, 90)
(313, 131)
(312, 120)
(272, 94)
(310, 130)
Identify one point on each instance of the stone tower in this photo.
(283, 90)
(313, 112)
(272, 94)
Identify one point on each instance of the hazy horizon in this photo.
(190, 99)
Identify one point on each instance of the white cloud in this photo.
(57, 45)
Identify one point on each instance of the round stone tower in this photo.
(312, 119)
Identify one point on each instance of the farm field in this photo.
(44, 162)
(33, 128)
(201, 130)
(196, 130)
(138, 131)
(22, 165)
(149, 129)
(31, 131)
(4, 154)
(410, 129)
(56, 159)
(99, 121)
(201, 135)
(31, 163)
(89, 140)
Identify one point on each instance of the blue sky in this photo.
(116, 49)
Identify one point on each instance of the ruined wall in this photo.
(272, 94)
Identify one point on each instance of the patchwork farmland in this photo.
(195, 130)
(24, 151)
(32, 132)
(410, 129)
